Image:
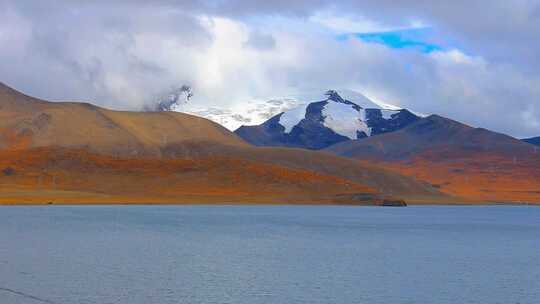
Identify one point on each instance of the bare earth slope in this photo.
(26, 122)
(80, 153)
(471, 163)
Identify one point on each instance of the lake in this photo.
(269, 254)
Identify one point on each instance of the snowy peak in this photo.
(358, 99)
(313, 120)
(346, 119)
(334, 96)
(341, 114)
(337, 115)
(182, 99)
(257, 111)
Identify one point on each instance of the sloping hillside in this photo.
(56, 151)
(26, 122)
(475, 164)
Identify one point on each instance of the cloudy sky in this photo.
(471, 60)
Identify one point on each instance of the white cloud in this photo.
(122, 55)
(343, 24)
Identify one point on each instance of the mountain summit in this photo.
(335, 117)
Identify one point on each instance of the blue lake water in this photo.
(269, 254)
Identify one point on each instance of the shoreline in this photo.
(458, 204)
(80, 198)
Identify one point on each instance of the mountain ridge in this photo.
(37, 123)
(320, 124)
(66, 148)
(432, 132)
(459, 160)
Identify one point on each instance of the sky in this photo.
(473, 61)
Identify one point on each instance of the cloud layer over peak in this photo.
(121, 54)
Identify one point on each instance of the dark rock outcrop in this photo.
(312, 132)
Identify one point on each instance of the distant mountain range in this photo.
(455, 158)
(441, 137)
(367, 153)
(66, 152)
(534, 141)
(183, 99)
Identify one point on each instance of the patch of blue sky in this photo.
(401, 39)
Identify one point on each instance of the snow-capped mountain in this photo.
(249, 113)
(335, 117)
(314, 119)
(253, 112)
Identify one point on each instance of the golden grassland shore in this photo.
(60, 176)
(45, 176)
(29, 197)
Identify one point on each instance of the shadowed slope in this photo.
(475, 164)
(433, 133)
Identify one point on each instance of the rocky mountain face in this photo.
(337, 117)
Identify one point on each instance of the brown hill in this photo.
(74, 152)
(474, 164)
(26, 122)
